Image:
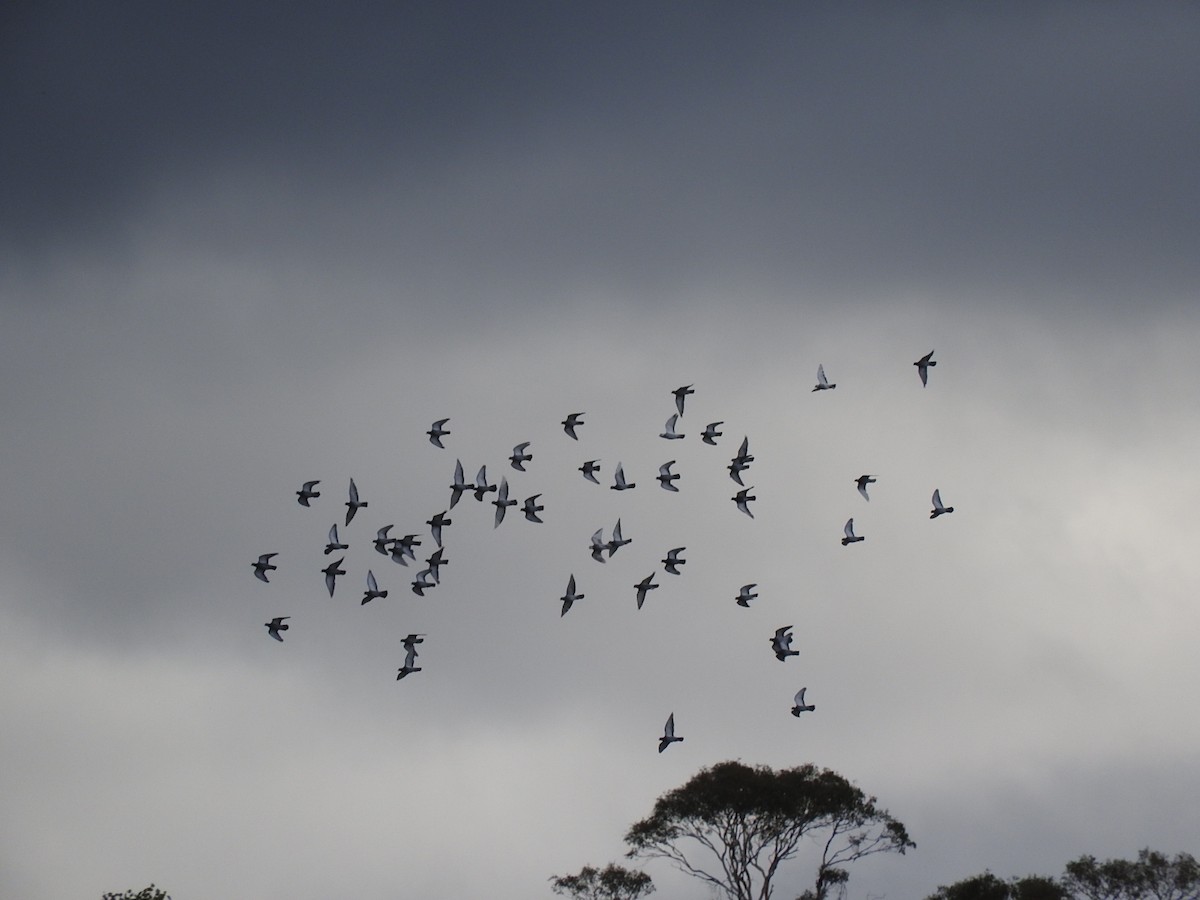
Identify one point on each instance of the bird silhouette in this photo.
(332, 543)
(481, 484)
(589, 470)
(619, 482)
(850, 537)
(373, 590)
(668, 737)
(437, 432)
(569, 597)
(643, 587)
(307, 493)
(670, 433)
(436, 524)
(353, 504)
(710, 433)
(331, 572)
(673, 562)
(742, 498)
(531, 508)
(277, 625)
(923, 365)
(680, 394)
(263, 566)
(459, 484)
(571, 422)
(823, 382)
(938, 508)
(798, 704)
(666, 477)
(862, 481)
(382, 540)
(782, 643)
(520, 457)
(502, 503)
(746, 594)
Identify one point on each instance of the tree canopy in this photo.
(733, 825)
(613, 882)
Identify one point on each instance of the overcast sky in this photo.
(243, 246)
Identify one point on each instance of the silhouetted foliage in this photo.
(749, 820)
(989, 887)
(613, 882)
(1151, 877)
(146, 893)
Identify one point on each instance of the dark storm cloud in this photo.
(929, 146)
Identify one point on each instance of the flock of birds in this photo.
(401, 550)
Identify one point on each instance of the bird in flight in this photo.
(589, 470)
(850, 536)
(746, 594)
(353, 504)
(410, 659)
(481, 484)
(938, 508)
(436, 524)
(782, 643)
(532, 508)
(742, 498)
(332, 542)
(382, 540)
(598, 545)
(798, 704)
(307, 493)
(331, 572)
(619, 482)
(520, 457)
(823, 382)
(277, 625)
(643, 587)
(459, 485)
(710, 434)
(263, 566)
(673, 562)
(862, 481)
(666, 477)
(618, 540)
(571, 422)
(373, 590)
(422, 582)
(668, 737)
(569, 597)
(741, 462)
(502, 503)
(437, 432)
(670, 433)
(681, 393)
(923, 365)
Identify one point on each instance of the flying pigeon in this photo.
(333, 543)
(331, 572)
(569, 597)
(435, 562)
(263, 566)
(671, 434)
(823, 382)
(570, 422)
(277, 625)
(741, 462)
(411, 641)
(589, 470)
(520, 457)
(436, 432)
(862, 481)
(404, 546)
(850, 537)
(798, 704)
(666, 477)
(711, 434)
(673, 562)
(668, 737)
(782, 643)
(373, 590)
(598, 545)
(923, 365)
(938, 508)
(619, 482)
(459, 484)
(502, 503)
(746, 594)
(382, 540)
(531, 509)
(680, 393)
(353, 504)
(481, 484)
(421, 582)
(618, 540)
(742, 498)
(307, 493)
(643, 587)
(410, 657)
(436, 524)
